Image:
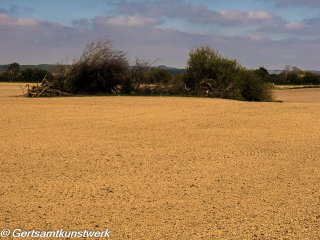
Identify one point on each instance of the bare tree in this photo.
(286, 71)
(99, 69)
(296, 69)
(139, 71)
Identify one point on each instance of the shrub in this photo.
(99, 69)
(177, 85)
(200, 66)
(208, 68)
(311, 78)
(12, 73)
(276, 78)
(263, 73)
(251, 87)
(209, 73)
(160, 76)
(139, 73)
(35, 75)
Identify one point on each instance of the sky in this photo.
(268, 33)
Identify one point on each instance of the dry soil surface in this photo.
(161, 167)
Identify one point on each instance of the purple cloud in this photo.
(288, 3)
(313, 22)
(127, 20)
(29, 41)
(198, 14)
(289, 28)
(8, 21)
(306, 28)
(82, 22)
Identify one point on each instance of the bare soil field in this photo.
(287, 87)
(304, 95)
(161, 167)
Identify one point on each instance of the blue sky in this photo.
(270, 33)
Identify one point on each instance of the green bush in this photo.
(12, 74)
(251, 87)
(35, 75)
(209, 73)
(200, 66)
(263, 73)
(311, 78)
(126, 87)
(160, 76)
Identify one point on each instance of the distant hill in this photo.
(313, 71)
(173, 71)
(280, 71)
(3, 68)
(275, 71)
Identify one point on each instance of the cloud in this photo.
(14, 9)
(120, 20)
(249, 18)
(198, 14)
(289, 3)
(308, 28)
(3, 10)
(48, 42)
(6, 20)
(30, 41)
(82, 22)
(314, 22)
(294, 26)
(256, 37)
(126, 20)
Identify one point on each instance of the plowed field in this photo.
(161, 167)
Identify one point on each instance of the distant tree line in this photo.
(290, 75)
(14, 74)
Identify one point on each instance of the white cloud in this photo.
(198, 14)
(237, 17)
(127, 20)
(294, 26)
(299, 3)
(6, 20)
(260, 15)
(256, 37)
